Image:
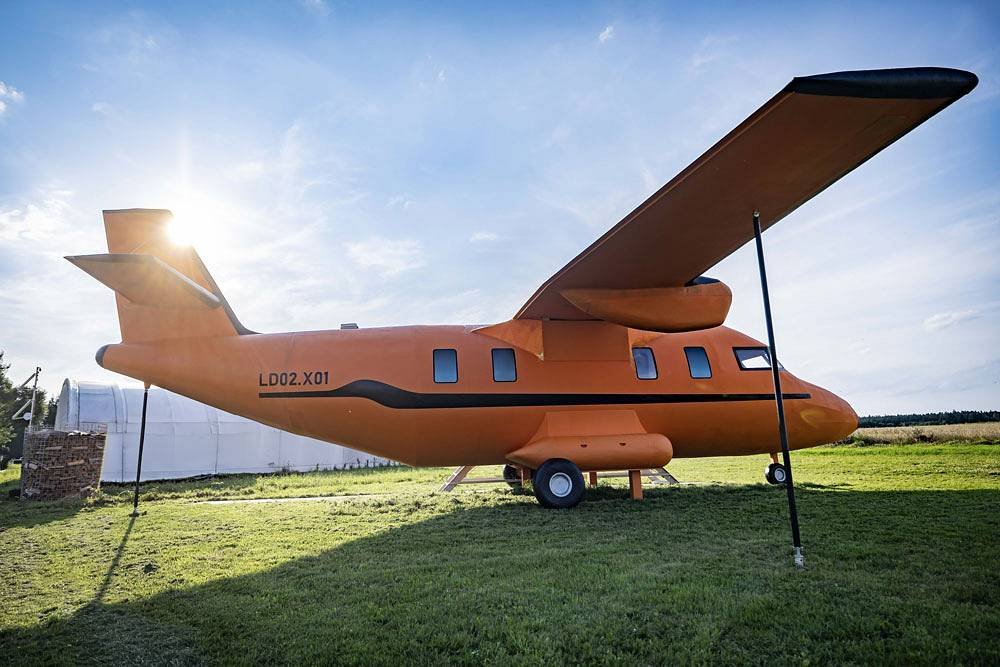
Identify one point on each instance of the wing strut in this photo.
(799, 557)
(138, 464)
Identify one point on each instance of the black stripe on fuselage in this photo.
(394, 397)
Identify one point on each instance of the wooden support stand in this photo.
(657, 476)
(635, 484)
(459, 477)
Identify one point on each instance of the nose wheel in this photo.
(775, 473)
(558, 484)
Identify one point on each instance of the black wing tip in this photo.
(925, 83)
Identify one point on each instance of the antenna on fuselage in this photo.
(799, 557)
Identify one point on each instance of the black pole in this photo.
(142, 438)
(778, 398)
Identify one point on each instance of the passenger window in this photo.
(645, 363)
(504, 368)
(754, 358)
(698, 362)
(445, 366)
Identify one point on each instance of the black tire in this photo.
(512, 475)
(775, 473)
(558, 484)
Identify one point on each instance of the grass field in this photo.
(902, 546)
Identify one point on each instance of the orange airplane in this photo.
(620, 361)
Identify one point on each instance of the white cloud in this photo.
(248, 171)
(9, 93)
(710, 50)
(388, 257)
(131, 41)
(44, 296)
(102, 108)
(483, 237)
(399, 201)
(318, 7)
(944, 320)
(39, 220)
(606, 34)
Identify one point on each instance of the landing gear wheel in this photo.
(512, 475)
(558, 484)
(775, 473)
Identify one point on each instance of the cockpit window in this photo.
(645, 363)
(754, 358)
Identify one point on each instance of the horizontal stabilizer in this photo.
(146, 280)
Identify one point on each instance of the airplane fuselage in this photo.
(375, 389)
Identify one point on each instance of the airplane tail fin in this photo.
(163, 289)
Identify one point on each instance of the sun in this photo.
(198, 220)
(181, 231)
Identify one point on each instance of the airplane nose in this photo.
(828, 417)
(846, 419)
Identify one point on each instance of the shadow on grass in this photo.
(16, 513)
(694, 574)
(160, 489)
(106, 581)
(239, 485)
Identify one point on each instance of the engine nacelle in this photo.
(702, 304)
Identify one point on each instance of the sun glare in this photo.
(198, 220)
(181, 231)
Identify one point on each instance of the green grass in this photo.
(902, 546)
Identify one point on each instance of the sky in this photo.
(393, 164)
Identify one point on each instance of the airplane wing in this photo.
(804, 139)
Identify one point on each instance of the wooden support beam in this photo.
(656, 476)
(660, 476)
(635, 484)
(456, 477)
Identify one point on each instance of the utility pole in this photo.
(34, 392)
(29, 405)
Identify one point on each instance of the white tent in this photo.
(185, 438)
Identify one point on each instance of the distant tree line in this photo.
(11, 400)
(932, 418)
